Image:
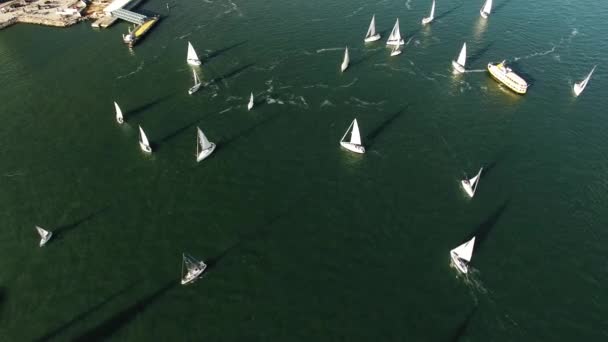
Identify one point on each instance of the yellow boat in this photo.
(506, 76)
(139, 31)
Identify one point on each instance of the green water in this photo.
(307, 241)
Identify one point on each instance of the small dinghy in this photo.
(191, 268)
(470, 185)
(396, 50)
(431, 16)
(204, 147)
(45, 235)
(144, 144)
(459, 63)
(345, 61)
(461, 255)
(250, 104)
(579, 87)
(197, 83)
(354, 144)
(119, 117)
(372, 35)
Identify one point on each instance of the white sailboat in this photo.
(144, 144)
(372, 35)
(396, 50)
(459, 63)
(470, 185)
(354, 144)
(45, 235)
(579, 87)
(192, 58)
(191, 268)
(197, 83)
(431, 16)
(345, 61)
(461, 255)
(486, 9)
(204, 147)
(395, 36)
(250, 104)
(119, 117)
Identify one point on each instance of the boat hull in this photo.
(577, 89)
(205, 153)
(400, 42)
(46, 239)
(505, 76)
(483, 14)
(343, 67)
(467, 188)
(145, 148)
(427, 20)
(459, 263)
(396, 53)
(458, 67)
(194, 89)
(192, 276)
(372, 38)
(353, 147)
(194, 62)
(120, 120)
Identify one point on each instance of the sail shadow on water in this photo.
(221, 51)
(371, 137)
(66, 228)
(487, 226)
(463, 326)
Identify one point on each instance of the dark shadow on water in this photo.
(2, 297)
(229, 74)
(500, 6)
(446, 13)
(462, 328)
(479, 53)
(83, 315)
(249, 130)
(60, 231)
(517, 68)
(159, 142)
(487, 226)
(374, 133)
(366, 57)
(144, 107)
(120, 319)
(221, 51)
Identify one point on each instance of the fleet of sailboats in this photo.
(580, 86)
(354, 144)
(192, 57)
(372, 35)
(119, 117)
(45, 235)
(192, 268)
(345, 61)
(486, 9)
(144, 144)
(250, 104)
(431, 16)
(470, 185)
(204, 147)
(395, 37)
(460, 62)
(461, 255)
(197, 83)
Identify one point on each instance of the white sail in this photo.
(395, 37)
(465, 251)
(45, 235)
(345, 61)
(462, 58)
(486, 9)
(191, 268)
(473, 181)
(203, 142)
(119, 117)
(192, 58)
(355, 136)
(250, 104)
(371, 31)
(431, 16)
(144, 144)
(579, 87)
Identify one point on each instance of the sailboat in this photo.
(197, 83)
(45, 235)
(395, 37)
(579, 87)
(461, 255)
(250, 104)
(431, 16)
(144, 144)
(192, 58)
(396, 50)
(462, 59)
(345, 61)
(204, 147)
(354, 144)
(486, 9)
(470, 185)
(372, 35)
(119, 117)
(191, 268)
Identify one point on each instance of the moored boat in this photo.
(506, 76)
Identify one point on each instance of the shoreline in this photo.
(52, 13)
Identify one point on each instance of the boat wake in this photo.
(138, 69)
(407, 5)
(226, 110)
(350, 84)
(330, 49)
(535, 54)
(475, 70)
(318, 85)
(354, 12)
(326, 103)
(361, 103)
